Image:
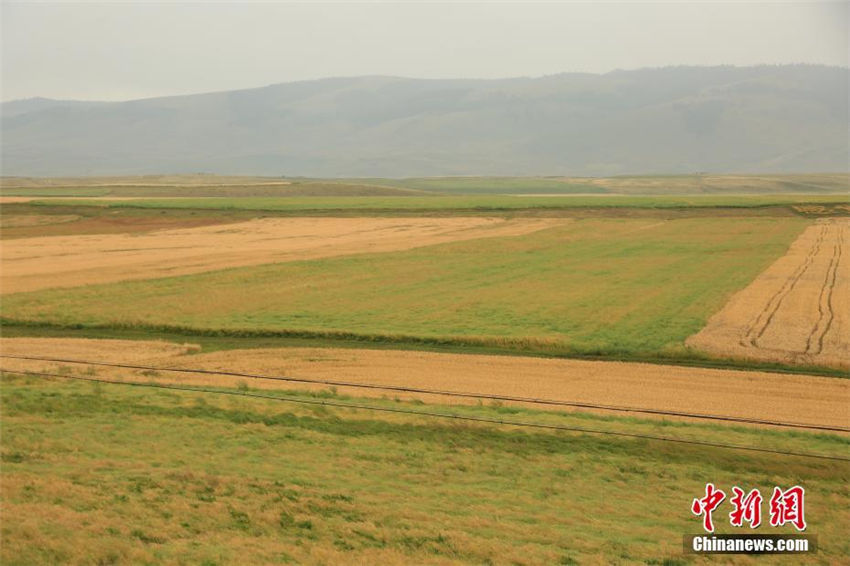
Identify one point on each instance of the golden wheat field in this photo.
(31, 264)
(746, 394)
(797, 311)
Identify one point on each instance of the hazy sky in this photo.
(124, 50)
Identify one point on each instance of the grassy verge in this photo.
(97, 473)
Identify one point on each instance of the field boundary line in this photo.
(441, 415)
(469, 395)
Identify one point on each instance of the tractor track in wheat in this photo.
(796, 311)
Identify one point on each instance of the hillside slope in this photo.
(672, 120)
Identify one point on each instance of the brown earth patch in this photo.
(67, 261)
(26, 220)
(796, 311)
(749, 394)
(118, 222)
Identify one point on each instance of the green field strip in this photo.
(460, 203)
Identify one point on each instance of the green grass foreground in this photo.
(610, 287)
(460, 203)
(109, 474)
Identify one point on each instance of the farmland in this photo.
(455, 203)
(79, 260)
(628, 312)
(190, 186)
(213, 185)
(796, 310)
(758, 395)
(596, 286)
(633, 185)
(104, 473)
(20, 218)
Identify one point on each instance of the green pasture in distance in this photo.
(472, 203)
(255, 190)
(627, 184)
(489, 185)
(612, 287)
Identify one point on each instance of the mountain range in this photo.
(766, 119)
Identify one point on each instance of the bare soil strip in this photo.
(111, 222)
(796, 311)
(31, 264)
(26, 220)
(748, 394)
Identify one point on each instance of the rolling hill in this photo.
(768, 119)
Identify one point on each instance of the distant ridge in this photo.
(771, 119)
